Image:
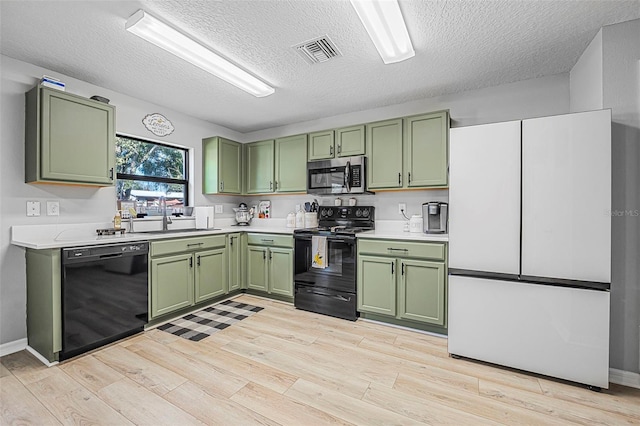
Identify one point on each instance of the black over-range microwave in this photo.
(345, 175)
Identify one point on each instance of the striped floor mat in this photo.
(204, 323)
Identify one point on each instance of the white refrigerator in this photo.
(530, 245)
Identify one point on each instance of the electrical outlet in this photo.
(219, 208)
(53, 208)
(402, 207)
(33, 208)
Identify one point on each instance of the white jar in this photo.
(415, 223)
(337, 202)
(291, 220)
(299, 219)
(311, 220)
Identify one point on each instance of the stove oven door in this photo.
(340, 272)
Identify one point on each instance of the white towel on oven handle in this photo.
(319, 252)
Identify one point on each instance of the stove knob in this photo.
(358, 213)
(365, 212)
(323, 212)
(330, 212)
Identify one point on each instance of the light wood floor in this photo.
(289, 367)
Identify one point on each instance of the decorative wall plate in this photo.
(158, 124)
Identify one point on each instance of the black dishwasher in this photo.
(104, 295)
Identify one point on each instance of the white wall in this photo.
(585, 79)
(621, 83)
(532, 98)
(77, 204)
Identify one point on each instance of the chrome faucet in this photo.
(165, 219)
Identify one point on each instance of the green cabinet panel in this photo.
(321, 145)
(271, 240)
(426, 159)
(350, 141)
(377, 285)
(281, 271)
(210, 274)
(234, 251)
(68, 139)
(259, 167)
(180, 245)
(221, 166)
(171, 283)
(424, 250)
(384, 154)
(257, 274)
(422, 291)
(291, 164)
(44, 315)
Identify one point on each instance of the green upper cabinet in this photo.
(68, 139)
(384, 154)
(350, 141)
(259, 167)
(321, 145)
(345, 142)
(221, 166)
(408, 153)
(426, 158)
(291, 164)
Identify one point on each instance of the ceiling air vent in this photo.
(318, 50)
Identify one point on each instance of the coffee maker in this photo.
(435, 217)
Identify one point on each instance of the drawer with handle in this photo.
(396, 248)
(181, 245)
(255, 239)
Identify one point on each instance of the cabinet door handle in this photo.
(264, 255)
(331, 150)
(221, 185)
(402, 273)
(198, 260)
(339, 149)
(191, 262)
(270, 255)
(111, 173)
(399, 178)
(270, 185)
(231, 240)
(392, 268)
(409, 178)
(276, 185)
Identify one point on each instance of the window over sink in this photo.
(148, 170)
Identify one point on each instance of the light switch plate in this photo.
(53, 208)
(218, 208)
(33, 208)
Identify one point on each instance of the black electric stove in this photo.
(331, 290)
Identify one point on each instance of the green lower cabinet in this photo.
(257, 268)
(422, 291)
(171, 283)
(403, 289)
(377, 285)
(234, 256)
(281, 271)
(210, 274)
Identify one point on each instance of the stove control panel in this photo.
(352, 212)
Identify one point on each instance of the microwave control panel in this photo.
(356, 178)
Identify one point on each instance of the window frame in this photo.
(140, 178)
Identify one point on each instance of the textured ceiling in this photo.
(460, 45)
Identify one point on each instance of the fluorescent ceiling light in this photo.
(156, 32)
(383, 21)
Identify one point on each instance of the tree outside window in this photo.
(149, 170)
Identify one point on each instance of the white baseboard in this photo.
(13, 347)
(624, 378)
(40, 357)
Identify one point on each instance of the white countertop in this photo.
(75, 235)
(409, 236)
